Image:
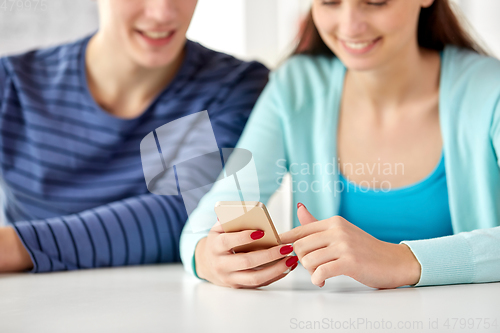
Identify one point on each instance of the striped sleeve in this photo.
(134, 231)
(138, 230)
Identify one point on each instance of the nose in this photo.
(161, 11)
(352, 21)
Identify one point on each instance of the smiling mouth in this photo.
(157, 34)
(360, 45)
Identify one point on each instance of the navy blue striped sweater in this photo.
(79, 198)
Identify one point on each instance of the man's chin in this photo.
(154, 61)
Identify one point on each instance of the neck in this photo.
(409, 76)
(118, 84)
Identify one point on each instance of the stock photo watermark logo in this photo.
(23, 5)
(359, 323)
(182, 158)
(325, 177)
(435, 324)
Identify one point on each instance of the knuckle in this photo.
(320, 272)
(223, 241)
(352, 259)
(315, 278)
(225, 280)
(234, 285)
(332, 223)
(297, 248)
(337, 222)
(305, 261)
(253, 281)
(300, 255)
(270, 255)
(344, 248)
(343, 225)
(219, 270)
(339, 219)
(341, 231)
(230, 282)
(246, 262)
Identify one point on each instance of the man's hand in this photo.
(13, 255)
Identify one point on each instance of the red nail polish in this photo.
(257, 234)
(293, 267)
(292, 261)
(286, 249)
(300, 204)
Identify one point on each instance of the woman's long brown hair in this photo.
(438, 26)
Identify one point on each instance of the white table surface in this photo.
(163, 298)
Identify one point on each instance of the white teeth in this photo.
(358, 46)
(156, 35)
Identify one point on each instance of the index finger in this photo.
(302, 231)
(226, 241)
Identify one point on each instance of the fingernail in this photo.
(286, 249)
(257, 234)
(292, 261)
(300, 204)
(293, 267)
(322, 285)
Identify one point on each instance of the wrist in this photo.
(199, 261)
(413, 269)
(13, 255)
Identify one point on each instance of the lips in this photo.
(156, 38)
(358, 45)
(361, 46)
(157, 34)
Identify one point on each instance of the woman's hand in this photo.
(335, 246)
(13, 255)
(216, 262)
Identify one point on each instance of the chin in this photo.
(148, 58)
(365, 63)
(155, 61)
(356, 65)
(156, 57)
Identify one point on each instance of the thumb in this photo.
(303, 214)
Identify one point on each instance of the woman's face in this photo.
(151, 32)
(366, 34)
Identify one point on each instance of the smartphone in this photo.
(243, 215)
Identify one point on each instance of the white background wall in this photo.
(484, 18)
(22, 28)
(249, 29)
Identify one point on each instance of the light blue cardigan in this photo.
(295, 121)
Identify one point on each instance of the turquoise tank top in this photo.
(417, 211)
